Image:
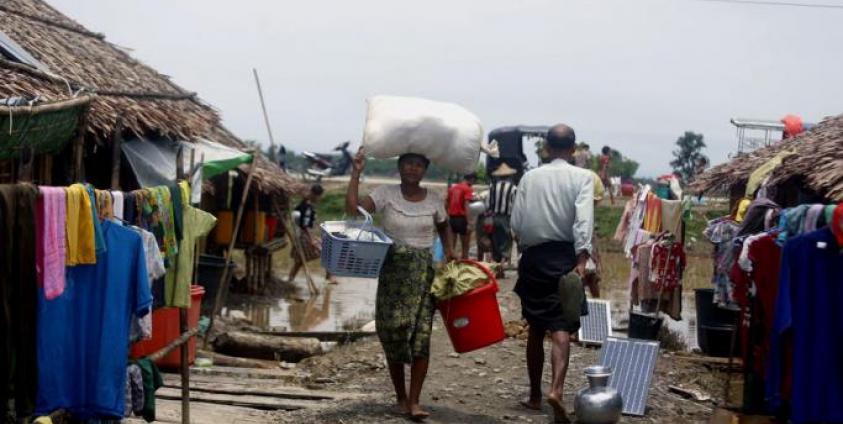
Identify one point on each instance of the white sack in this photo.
(446, 133)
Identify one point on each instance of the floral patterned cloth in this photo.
(404, 306)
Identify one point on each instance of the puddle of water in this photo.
(344, 306)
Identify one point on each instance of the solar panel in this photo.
(633, 362)
(597, 325)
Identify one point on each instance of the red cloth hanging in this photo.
(837, 224)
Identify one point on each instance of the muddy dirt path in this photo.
(485, 386)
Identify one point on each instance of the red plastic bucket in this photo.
(473, 319)
(165, 329)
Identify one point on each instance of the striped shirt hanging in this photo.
(501, 197)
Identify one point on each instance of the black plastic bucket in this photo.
(708, 313)
(643, 326)
(717, 340)
(714, 325)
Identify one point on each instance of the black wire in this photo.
(776, 3)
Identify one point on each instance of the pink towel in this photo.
(50, 249)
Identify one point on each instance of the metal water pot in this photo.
(598, 403)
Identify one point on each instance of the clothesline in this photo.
(782, 268)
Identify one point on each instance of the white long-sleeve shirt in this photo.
(555, 202)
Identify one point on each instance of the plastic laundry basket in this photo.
(347, 257)
(473, 319)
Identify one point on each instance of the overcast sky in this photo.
(633, 74)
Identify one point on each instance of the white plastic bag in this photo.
(446, 133)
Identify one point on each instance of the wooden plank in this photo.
(256, 373)
(259, 388)
(169, 411)
(268, 403)
(324, 336)
(242, 381)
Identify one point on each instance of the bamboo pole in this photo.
(226, 274)
(79, 147)
(183, 324)
(263, 108)
(181, 340)
(116, 143)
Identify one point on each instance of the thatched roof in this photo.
(818, 162)
(77, 59)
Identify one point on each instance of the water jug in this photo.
(598, 403)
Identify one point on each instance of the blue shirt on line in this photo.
(810, 305)
(83, 335)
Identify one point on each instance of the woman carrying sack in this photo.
(404, 306)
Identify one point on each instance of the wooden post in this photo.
(183, 324)
(25, 168)
(226, 274)
(116, 143)
(263, 107)
(79, 147)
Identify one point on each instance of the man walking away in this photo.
(553, 219)
(458, 197)
(499, 206)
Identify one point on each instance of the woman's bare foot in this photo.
(402, 407)
(417, 413)
(532, 404)
(559, 414)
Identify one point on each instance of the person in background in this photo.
(281, 157)
(459, 195)
(605, 164)
(308, 246)
(499, 207)
(404, 306)
(582, 157)
(553, 219)
(593, 267)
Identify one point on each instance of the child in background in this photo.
(310, 245)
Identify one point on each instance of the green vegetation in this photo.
(688, 158)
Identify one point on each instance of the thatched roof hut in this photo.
(816, 166)
(144, 102)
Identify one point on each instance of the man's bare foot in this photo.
(559, 414)
(417, 413)
(532, 404)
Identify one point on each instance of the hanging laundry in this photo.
(176, 196)
(142, 326)
(756, 216)
(667, 263)
(163, 203)
(836, 223)
(118, 203)
(636, 220)
(50, 249)
(99, 240)
(721, 232)
(134, 396)
(743, 207)
(653, 214)
(81, 247)
(808, 311)
(152, 381)
(82, 362)
(18, 291)
(197, 223)
(672, 217)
